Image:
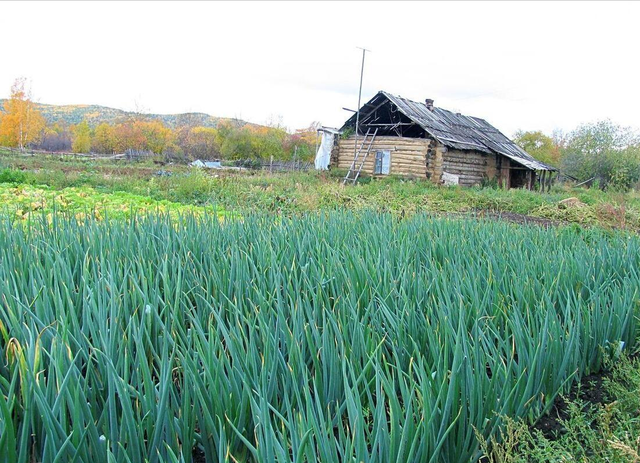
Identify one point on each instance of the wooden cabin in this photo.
(402, 137)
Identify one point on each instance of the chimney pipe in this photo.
(429, 103)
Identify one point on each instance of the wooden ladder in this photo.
(360, 158)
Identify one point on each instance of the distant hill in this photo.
(95, 114)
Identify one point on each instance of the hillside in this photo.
(95, 114)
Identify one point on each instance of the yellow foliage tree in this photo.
(157, 135)
(81, 138)
(21, 122)
(104, 139)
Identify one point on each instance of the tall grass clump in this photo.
(320, 338)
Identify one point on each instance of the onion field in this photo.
(318, 338)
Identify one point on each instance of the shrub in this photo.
(12, 176)
(606, 151)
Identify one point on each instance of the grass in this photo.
(307, 192)
(607, 432)
(320, 337)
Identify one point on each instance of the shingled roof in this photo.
(455, 130)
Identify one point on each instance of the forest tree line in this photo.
(23, 126)
(602, 151)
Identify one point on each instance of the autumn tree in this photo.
(129, 136)
(103, 139)
(184, 124)
(157, 136)
(255, 142)
(303, 142)
(202, 142)
(21, 124)
(56, 137)
(81, 138)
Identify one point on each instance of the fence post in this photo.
(271, 165)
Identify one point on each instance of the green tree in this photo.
(539, 145)
(267, 142)
(606, 151)
(81, 138)
(237, 144)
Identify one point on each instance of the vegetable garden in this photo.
(27, 201)
(322, 337)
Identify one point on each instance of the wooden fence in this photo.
(287, 166)
(32, 152)
(272, 165)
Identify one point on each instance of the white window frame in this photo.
(382, 165)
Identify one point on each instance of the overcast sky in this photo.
(532, 66)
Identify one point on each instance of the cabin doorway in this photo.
(519, 178)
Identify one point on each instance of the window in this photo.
(383, 162)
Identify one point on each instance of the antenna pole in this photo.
(355, 146)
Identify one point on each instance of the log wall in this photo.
(435, 162)
(470, 166)
(408, 155)
(425, 158)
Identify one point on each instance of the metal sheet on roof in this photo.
(458, 131)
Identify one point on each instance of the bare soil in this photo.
(590, 390)
(198, 456)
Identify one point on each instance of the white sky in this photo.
(532, 66)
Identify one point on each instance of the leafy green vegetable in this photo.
(334, 337)
(25, 200)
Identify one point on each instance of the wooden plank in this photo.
(397, 124)
(395, 167)
(397, 155)
(391, 141)
(482, 162)
(380, 147)
(408, 156)
(391, 145)
(479, 167)
(464, 169)
(473, 156)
